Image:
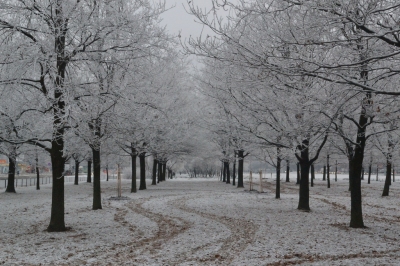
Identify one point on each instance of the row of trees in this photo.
(90, 79)
(292, 76)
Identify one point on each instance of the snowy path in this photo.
(201, 222)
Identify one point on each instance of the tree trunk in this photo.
(37, 173)
(11, 174)
(287, 171)
(385, 192)
(155, 162)
(142, 161)
(327, 172)
(336, 172)
(76, 182)
(89, 172)
(278, 178)
(324, 174)
(57, 219)
(228, 174)
(240, 168)
(107, 171)
(96, 178)
(159, 167)
(362, 173)
(298, 174)
(350, 180)
(133, 165)
(234, 173)
(369, 173)
(164, 167)
(57, 222)
(393, 173)
(37, 178)
(224, 175)
(312, 175)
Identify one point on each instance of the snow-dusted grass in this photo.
(202, 222)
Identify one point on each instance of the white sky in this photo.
(177, 19)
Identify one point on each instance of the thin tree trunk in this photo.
(287, 171)
(107, 172)
(89, 172)
(312, 175)
(278, 177)
(327, 171)
(133, 165)
(164, 167)
(37, 173)
(369, 173)
(155, 162)
(298, 174)
(336, 171)
(240, 168)
(96, 178)
(224, 175)
(324, 174)
(234, 172)
(76, 182)
(228, 174)
(142, 161)
(159, 167)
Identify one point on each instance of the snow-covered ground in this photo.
(202, 222)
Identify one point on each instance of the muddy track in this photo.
(242, 233)
(300, 258)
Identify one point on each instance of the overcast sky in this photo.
(177, 19)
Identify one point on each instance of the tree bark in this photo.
(278, 177)
(369, 173)
(155, 162)
(228, 174)
(298, 174)
(133, 165)
(89, 172)
(159, 167)
(324, 174)
(240, 168)
(327, 171)
(388, 178)
(234, 172)
(11, 174)
(142, 161)
(96, 178)
(164, 167)
(312, 175)
(107, 172)
(224, 175)
(76, 182)
(287, 171)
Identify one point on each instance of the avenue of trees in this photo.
(293, 83)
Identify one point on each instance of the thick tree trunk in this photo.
(57, 219)
(164, 167)
(278, 178)
(287, 171)
(96, 179)
(11, 174)
(142, 161)
(159, 167)
(388, 178)
(298, 174)
(240, 168)
(57, 222)
(154, 177)
(133, 165)
(350, 180)
(228, 174)
(89, 172)
(76, 182)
